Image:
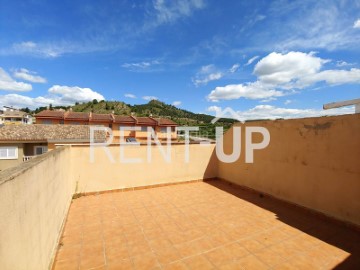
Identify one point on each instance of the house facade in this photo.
(161, 126)
(11, 116)
(19, 143)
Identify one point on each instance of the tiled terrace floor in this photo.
(200, 226)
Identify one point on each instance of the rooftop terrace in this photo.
(296, 207)
(203, 225)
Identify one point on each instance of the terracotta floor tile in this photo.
(167, 255)
(145, 261)
(68, 253)
(120, 265)
(235, 250)
(91, 261)
(251, 262)
(116, 253)
(159, 243)
(251, 245)
(198, 262)
(138, 249)
(179, 265)
(218, 256)
(194, 225)
(67, 265)
(269, 257)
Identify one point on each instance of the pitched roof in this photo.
(165, 122)
(49, 133)
(101, 117)
(14, 114)
(50, 114)
(124, 119)
(77, 116)
(109, 118)
(146, 121)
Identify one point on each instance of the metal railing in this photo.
(26, 158)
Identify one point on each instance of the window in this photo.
(163, 130)
(8, 152)
(143, 128)
(39, 150)
(61, 122)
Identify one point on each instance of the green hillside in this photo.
(154, 108)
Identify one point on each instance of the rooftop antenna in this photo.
(339, 104)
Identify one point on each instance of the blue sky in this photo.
(261, 58)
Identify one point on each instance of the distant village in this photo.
(24, 136)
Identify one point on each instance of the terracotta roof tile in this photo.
(124, 119)
(53, 133)
(101, 117)
(146, 121)
(77, 116)
(50, 114)
(165, 122)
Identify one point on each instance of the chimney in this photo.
(113, 112)
(70, 109)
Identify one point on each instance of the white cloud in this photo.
(57, 48)
(287, 102)
(343, 64)
(334, 77)
(279, 69)
(28, 75)
(357, 23)
(207, 74)
(21, 101)
(170, 11)
(130, 96)
(315, 25)
(208, 78)
(35, 49)
(272, 112)
(176, 103)
(251, 60)
(215, 109)
(72, 94)
(57, 95)
(9, 84)
(140, 65)
(234, 68)
(282, 74)
(254, 90)
(148, 98)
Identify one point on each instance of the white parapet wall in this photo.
(134, 169)
(34, 200)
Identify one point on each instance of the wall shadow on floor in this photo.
(332, 232)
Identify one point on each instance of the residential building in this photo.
(11, 116)
(161, 126)
(22, 142)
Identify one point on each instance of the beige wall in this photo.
(104, 175)
(34, 200)
(312, 162)
(8, 163)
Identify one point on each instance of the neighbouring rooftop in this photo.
(50, 133)
(108, 118)
(203, 225)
